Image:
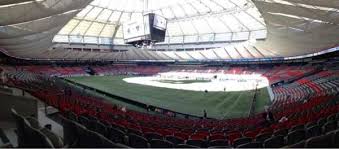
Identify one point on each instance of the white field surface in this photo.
(223, 82)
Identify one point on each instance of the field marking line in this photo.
(234, 104)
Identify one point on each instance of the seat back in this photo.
(104, 142)
(72, 116)
(297, 127)
(329, 126)
(331, 117)
(233, 136)
(335, 138)
(83, 138)
(33, 122)
(219, 147)
(19, 121)
(184, 136)
(311, 124)
(152, 135)
(185, 146)
(70, 132)
(92, 124)
(282, 132)
(262, 137)
(83, 121)
(337, 116)
(313, 131)
(300, 144)
(137, 141)
(55, 139)
(116, 135)
(323, 141)
(295, 136)
(101, 128)
(219, 142)
(34, 138)
(198, 143)
(216, 137)
(94, 139)
(242, 140)
(274, 142)
(174, 140)
(251, 145)
(156, 143)
(322, 121)
(134, 131)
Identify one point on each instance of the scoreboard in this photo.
(150, 27)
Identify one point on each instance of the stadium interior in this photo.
(169, 73)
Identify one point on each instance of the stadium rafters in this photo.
(27, 27)
(198, 30)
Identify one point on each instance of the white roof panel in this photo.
(193, 18)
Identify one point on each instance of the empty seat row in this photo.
(30, 134)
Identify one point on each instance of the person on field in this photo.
(205, 114)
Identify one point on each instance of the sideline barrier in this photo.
(270, 92)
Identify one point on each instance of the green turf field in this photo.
(217, 104)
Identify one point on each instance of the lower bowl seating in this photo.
(310, 105)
